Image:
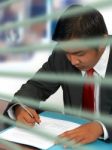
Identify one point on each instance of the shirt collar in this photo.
(101, 66)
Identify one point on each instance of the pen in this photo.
(25, 108)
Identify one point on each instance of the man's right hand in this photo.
(23, 116)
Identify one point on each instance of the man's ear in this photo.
(106, 36)
(104, 42)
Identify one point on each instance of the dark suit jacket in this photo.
(72, 93)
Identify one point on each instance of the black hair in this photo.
(89, 24)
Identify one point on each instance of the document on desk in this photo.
(50, 126)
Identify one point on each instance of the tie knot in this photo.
(90, 72)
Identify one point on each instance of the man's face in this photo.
(84, 59)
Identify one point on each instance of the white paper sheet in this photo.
(51, 126)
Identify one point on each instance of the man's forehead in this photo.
(76, 50)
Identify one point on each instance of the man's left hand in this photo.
(84, 134)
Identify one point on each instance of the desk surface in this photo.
(93, 146)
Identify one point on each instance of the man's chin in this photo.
(81, 68)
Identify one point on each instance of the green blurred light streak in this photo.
(28, 48)
(55, 15)
(35, 103)
(10, 145)
(7, 3)
(59, 77)
(74, 44)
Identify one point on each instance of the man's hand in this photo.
(23, 116)
(84, 134)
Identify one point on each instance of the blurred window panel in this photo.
(39, 32)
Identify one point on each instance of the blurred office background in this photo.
(38, 33)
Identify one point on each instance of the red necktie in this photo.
(88, 94)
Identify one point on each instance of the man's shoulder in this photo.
(60, 54)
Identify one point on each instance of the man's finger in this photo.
(24, 121)
(29, 123)
(36, 116)
(29, 119)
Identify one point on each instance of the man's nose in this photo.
(74, 60)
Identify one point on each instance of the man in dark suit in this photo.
(78, 61)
